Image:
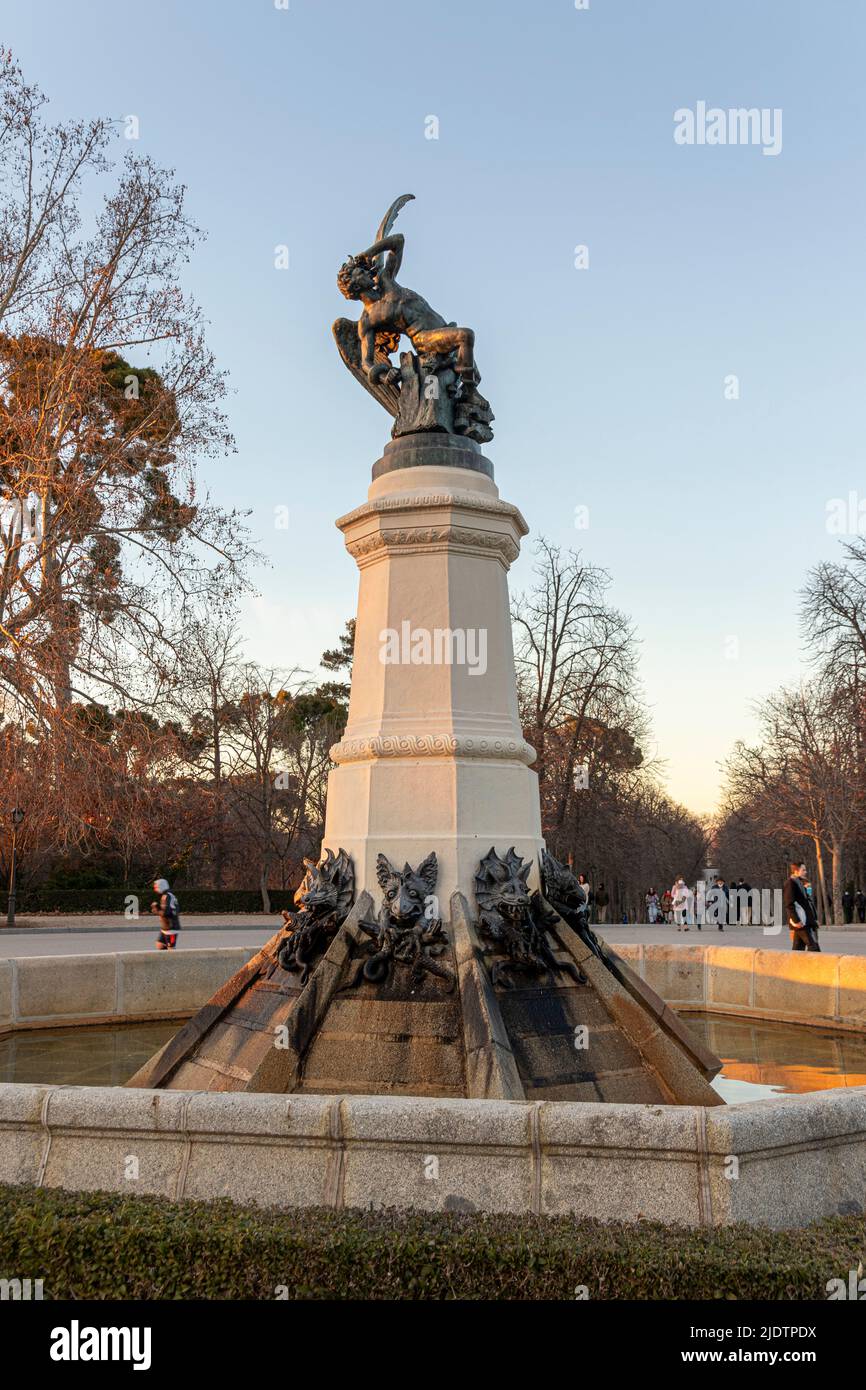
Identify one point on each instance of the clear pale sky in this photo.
(556, 125)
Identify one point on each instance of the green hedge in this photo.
(77, 900)
(100, 1245)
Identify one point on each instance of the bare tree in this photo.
(106, 537)
(833, 617)
(41, 167)
(278, 732)
(204, 690)
(833, 610)
(802, 780)
(581, 707)
(576, 665)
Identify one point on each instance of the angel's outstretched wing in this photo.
(349, 345)
(391, 217)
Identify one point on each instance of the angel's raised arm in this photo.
(388, 242)
(393, 245)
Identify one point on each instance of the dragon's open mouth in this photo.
(513, 910)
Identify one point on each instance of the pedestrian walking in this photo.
(590, 898)
(692, 918)
(680, 903)
(800, 911)
(166, 908)
(721, 899)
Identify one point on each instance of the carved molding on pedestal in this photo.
(431, 746)
(456, 527)
(453, 498)
(410, 538)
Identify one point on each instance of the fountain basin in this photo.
(783, 1161)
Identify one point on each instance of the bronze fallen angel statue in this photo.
(435, 387)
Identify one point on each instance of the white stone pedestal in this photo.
(433, 756)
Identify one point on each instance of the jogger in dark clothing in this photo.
(800, 912)
(166, 909)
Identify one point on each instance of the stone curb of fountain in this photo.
(781, 1162)
(824, 991)
(117, 987)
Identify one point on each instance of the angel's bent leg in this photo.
(459, 340)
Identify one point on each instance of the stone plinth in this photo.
(433, 756)
(801, 1157)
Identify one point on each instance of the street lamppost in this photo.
(16, 816)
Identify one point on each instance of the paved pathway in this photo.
(115, 921)
(95, 935)
(848, 941)
(89, 935)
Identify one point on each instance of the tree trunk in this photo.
(822, 886)
(539, 742)
(53, 586)
(219, 838)
(838, 909)
(263, 887)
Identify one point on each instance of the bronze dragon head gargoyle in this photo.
(323, 900)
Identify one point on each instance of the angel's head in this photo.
(356, 278)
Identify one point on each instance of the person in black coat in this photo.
(800, 911)
(744, 904)
(718, 901)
